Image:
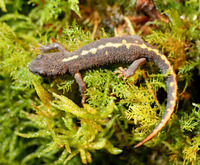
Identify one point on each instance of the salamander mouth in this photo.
(39, 73)
(35, 70)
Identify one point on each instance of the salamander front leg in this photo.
(131, 69)
(82, 86)
(53, 46)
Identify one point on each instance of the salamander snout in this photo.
(37, 68)
(50, 64)
(37, 72)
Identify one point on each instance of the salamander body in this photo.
(129, 49)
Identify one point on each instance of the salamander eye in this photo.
(39, 56)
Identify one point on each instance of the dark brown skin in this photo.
(130, 49)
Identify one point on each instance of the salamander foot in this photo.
(122, 73)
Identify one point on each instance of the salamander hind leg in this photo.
(125, 73)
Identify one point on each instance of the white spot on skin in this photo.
(174, 94)
(116, 45)
(143, 46)
(84, 52)
(128, 46)
(157, 52)
(163, 121)
(171, 84)
(93, 51)
(101, 47)
(167, 62)
(70, 58)
(163, 57)
(168, 110)
(124, 41)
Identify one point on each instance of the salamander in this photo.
(128, 49)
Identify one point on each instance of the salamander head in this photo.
(48, 65)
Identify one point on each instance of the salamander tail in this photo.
(171, 102)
